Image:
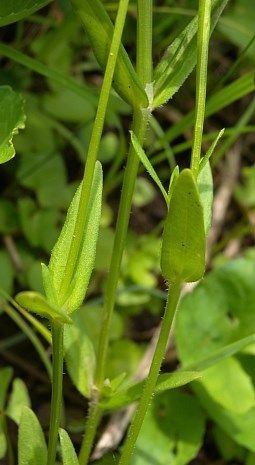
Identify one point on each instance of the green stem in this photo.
(31, 336)
(149, 387)
(140, 120)
(94, 146)
(203, 37)
(56, 398)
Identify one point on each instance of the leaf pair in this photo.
(56, 305)
(99, 28)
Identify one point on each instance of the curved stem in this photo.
(56, 398)
(203, 37)
(149, 387)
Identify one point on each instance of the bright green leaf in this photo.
(32, 448)
(37, 303)
(12, 118)
(67, 449)
(205, 188)
(19, 399)
(183, 243)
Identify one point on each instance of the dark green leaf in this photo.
(5, 378)
(12, 118)
(15, 10)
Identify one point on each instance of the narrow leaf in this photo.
(85, 263)
(15, 10)
(183, 243)
(37, 303)
(31, 443)
(12, 118)
(210, 151)
(180, 58)
(165, 382)
(148, 166)
(67, 449)
(99, 28)
(5, 378)
(205, 188)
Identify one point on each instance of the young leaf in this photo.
(37, 303)
(183, 243)
(165, 382)
(148, 166)
(15, 10)
(205, 188)
(18, 400)
(210, 151)
(12, 118)
(5, 378)
(173, 179)
(32, 448)
(85, 262)
(100, 30)
(67, 449)
(180, 58)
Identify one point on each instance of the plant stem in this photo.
(31, 336)
(203, 37)
(140, 120)
(149, 387)
(94, 146)
(57, 381)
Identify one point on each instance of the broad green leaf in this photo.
(95, 18)
(32, 447)
(165, 382)
(240, 427)
(183, 243)
(12, 118)
(80, 358)
(205, 188)
(85, 262)
(67, 449)
(15, 10)
(180, 58)
(229, 385)
(148, 166)
(37, 303)
(228, 295)
(174, 425)
(5, 378)
(19, 399)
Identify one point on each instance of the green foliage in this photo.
(31, 446)
(12, 118)
(19, 399)
(15, 10)
(37, 303)
(245, 192)
(205, 188)
(95, 18)
(5, 378)
(67, 450)
(183, 244)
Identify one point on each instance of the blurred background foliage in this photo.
(37, 186)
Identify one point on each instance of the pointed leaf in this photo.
(32, 448)
(18, 400)
(165, 382)
(205, 188)
(210, 151)
(183, 243)
(12, 118)
(35, 302)
(148, 166)
(85, 263)
(67, 449)
(94, 19)
(180, 58)
(5, 378)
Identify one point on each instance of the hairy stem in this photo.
(140, 120)
(203, 37)
(149, 387)
(56, 398)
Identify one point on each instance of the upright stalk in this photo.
(56, 397)
(149, 387)
(94, 145)
(203, 37)
(140, 120)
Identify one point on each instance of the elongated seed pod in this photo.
(99, 28)
(183, 244)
